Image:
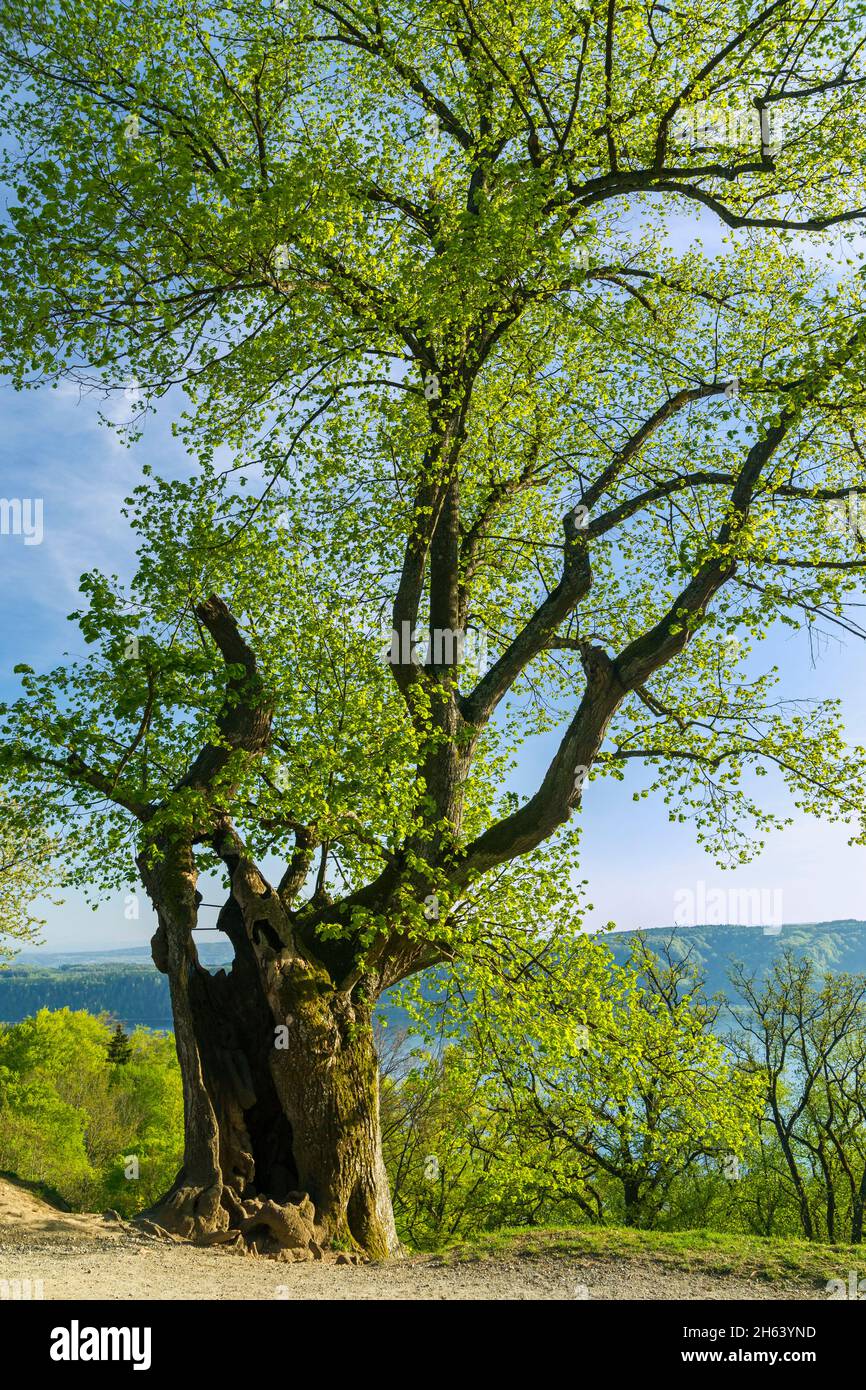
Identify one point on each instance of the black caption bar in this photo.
(142, 1340)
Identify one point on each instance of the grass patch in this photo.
(745, 1257)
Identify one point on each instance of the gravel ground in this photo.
(125, 1267)
(86, 1256)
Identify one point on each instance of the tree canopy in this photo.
(419, 291)
(455, 364)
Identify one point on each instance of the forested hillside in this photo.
(834, 946)
(129, 988)
(134, 994)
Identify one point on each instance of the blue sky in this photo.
(52, 446)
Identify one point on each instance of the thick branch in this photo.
(537, 632)
(244, 721)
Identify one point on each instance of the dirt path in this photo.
(87, 1257)
(129, 1268)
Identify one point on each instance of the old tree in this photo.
(424, 289)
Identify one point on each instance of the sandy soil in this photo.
(90, 1257)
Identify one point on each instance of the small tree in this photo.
(447, 1152)
(630, 1098)
(805, 1038)
(119, 1048)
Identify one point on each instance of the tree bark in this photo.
(796, 1178)
(857, 1205)
(282, 1144)
(632, 1201)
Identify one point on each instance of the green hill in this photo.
(133, 994)
(833, 946)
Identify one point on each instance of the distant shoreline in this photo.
(124, 983)
(221, 949)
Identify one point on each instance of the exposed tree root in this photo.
(212, 1216)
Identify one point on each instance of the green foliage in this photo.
(71, 1118)
(247, 201)
(580, 1088)
(455, 1164)
(804, 1035)
(655, 1120)
(26, 871)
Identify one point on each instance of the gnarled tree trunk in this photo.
(282, 1147)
